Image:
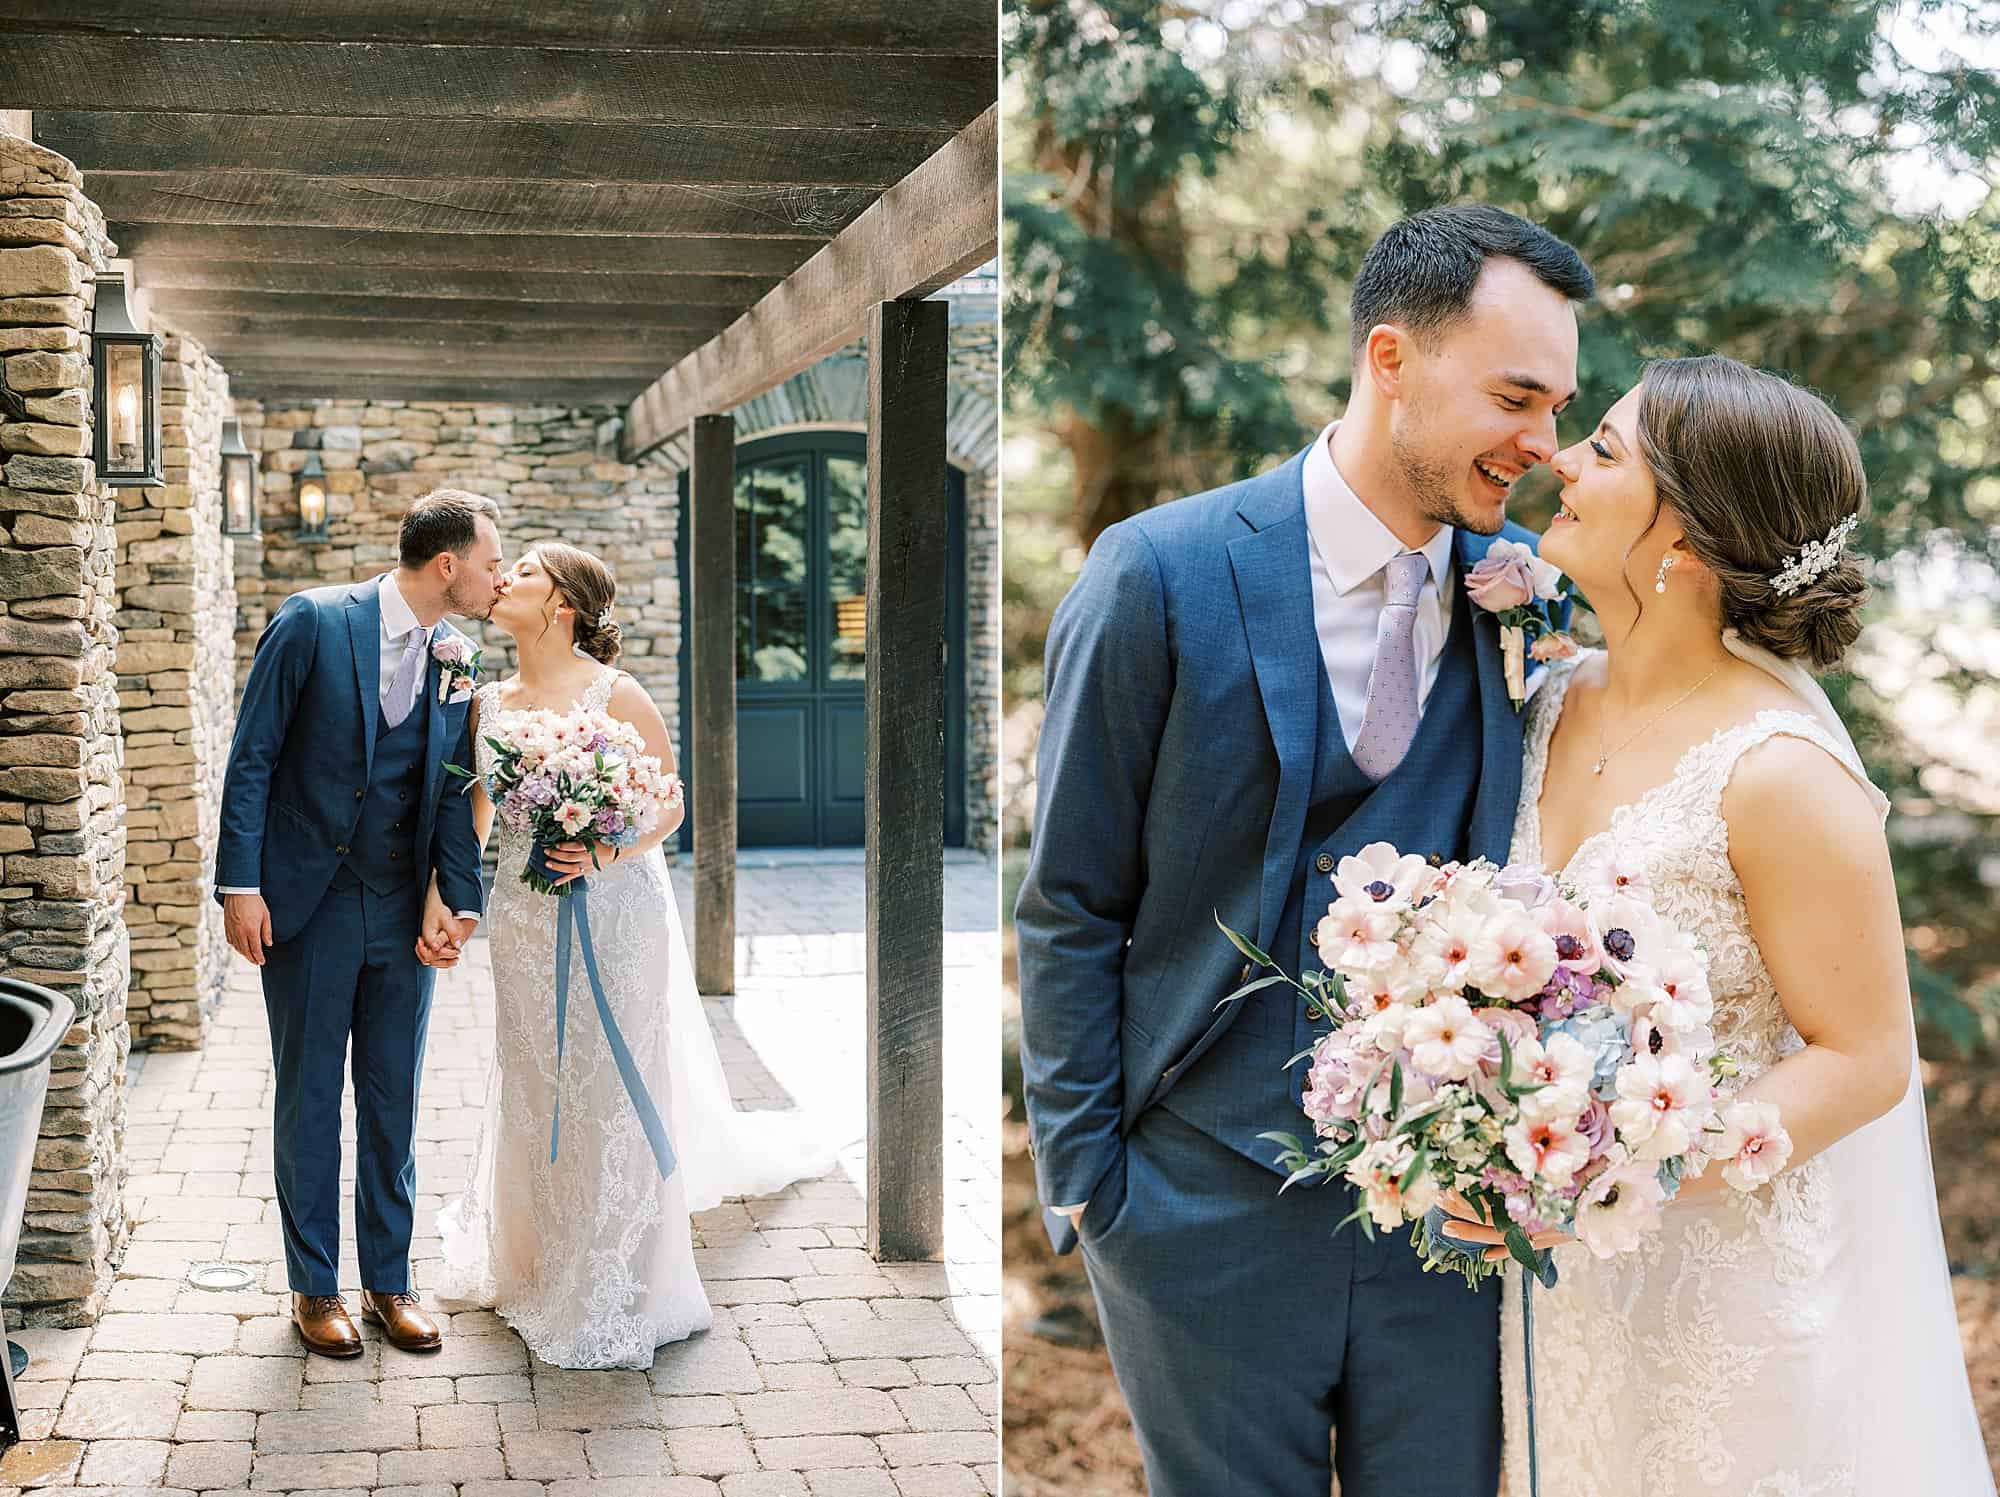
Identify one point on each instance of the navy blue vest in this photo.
(1241, 1088)
(382, 847)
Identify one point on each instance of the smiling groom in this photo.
(334, 821)
(1243, 687)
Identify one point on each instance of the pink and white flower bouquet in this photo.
(1540, 1046)
(577, 776)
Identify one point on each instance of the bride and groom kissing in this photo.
(348, 868)
(1246, 686)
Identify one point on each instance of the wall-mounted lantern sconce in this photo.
(127, 390)
(239, 482)
(312, 500)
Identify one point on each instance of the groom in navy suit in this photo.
(1243, 687)
(341, 843)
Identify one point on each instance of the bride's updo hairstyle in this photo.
(586, 584)
(1756, 469)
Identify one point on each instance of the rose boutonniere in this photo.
(1522, 592)
(458, 666)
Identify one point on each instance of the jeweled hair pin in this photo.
(1818, 557)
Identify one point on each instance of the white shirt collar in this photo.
(1353, 542)
(398, 618)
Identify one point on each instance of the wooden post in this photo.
(711, 745)
(19, 122)
(907, 367)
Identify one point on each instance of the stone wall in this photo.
(62, 829)
(555, 473)
(176, 676)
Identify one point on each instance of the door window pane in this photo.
(772, 524)
(847, 568)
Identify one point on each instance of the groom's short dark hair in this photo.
(443, 520)
(1421, 272)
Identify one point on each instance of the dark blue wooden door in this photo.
(801, 616)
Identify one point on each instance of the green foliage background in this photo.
(1802, 184)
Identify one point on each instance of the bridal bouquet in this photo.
(576, 776)
(1541, 1047)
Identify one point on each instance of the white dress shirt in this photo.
(398, 619)
(1350, 547)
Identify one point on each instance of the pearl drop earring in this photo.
(1666, 566)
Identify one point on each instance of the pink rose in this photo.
(1499, 583)
(1509, 575)
(1553, 647)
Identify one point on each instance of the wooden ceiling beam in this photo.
(53, 69)
(890, 25)
(571, 254)
(350, 389)
(485, 150)
(496, 208)
(368, 317)
(326, 283)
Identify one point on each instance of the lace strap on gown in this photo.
(597, 695)
(1717, 763)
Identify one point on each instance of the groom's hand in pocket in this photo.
(246, 921)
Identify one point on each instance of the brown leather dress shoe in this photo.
(402, 1320)
(324, 1326)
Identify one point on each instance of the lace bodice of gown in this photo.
(1685, 1367)
(1676, 835)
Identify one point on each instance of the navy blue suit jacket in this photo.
(1174, 771)
(305, 747)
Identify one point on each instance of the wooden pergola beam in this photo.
(866, 25)
(253, 312)
(390, 285)
(932, 227)
(644, 258)
(486, 150)
(298, 338)
(179, 74)
(569, 392)
(459, 206)
(908, 369)
(390, 360)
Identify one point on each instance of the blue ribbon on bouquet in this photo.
(573, 911)
(1442, 1250)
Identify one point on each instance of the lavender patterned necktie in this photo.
(403, 685)
(1391, 719)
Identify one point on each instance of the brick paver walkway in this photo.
(826, 1375)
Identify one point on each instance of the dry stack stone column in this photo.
(62, 832)
(176, 690)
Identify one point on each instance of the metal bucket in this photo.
(33, 1022)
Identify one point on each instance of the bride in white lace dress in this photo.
(590, 1256)
(1800, 1341)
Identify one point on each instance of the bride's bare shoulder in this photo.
(1787, 791)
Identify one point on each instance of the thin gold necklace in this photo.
(1604, 755)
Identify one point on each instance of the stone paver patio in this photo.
(826, 1374)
